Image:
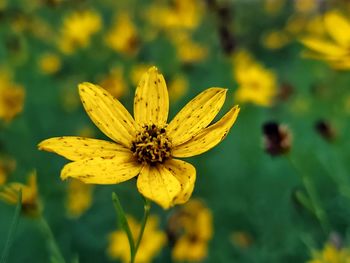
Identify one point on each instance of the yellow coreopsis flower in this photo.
(333, 47)
(137, 71)
(152, 241)
(11, 97)
(7, 165)
(181, 14)
(123, 36)
(275, 39)
(241, 239)
(144, 146)
(187, 50)
(191, 228)
(30, 198)
(178, 87)
(77, 30)
(79, 198)
(256, 84)
(306, 6)
(49, 63)
(115, 83)
(331, 254)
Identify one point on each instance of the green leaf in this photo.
(13, 228)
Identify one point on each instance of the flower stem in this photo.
(56, 256)
(147, 208)
(312, 193)
(123, 223)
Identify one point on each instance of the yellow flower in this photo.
(306, 6)
(191, 228)
(334, 48)
(123, 36)
(178, 88)
(77, 30)
(49, 63)
(114, 83)
(137, 72)
(144, 146)
(241, 239)
(187, 50)
(79, 198)
(274, 6)
(11, 97)
(256, 84)
(69, 100)
(7, 165)
(331, 254)
(275, 39)
(30, 199)
(182, 14)
(152, 241)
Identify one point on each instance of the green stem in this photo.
(312, 193)
(123, 223)
(56, 256)
(147, 208)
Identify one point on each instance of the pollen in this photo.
(151, 145)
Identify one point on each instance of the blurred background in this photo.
(276, 189)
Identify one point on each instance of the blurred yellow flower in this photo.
(306, 6)
(274, 6)
(69, 100)
(123, 36)
(187, 50)
(30, 200)
(275, 39)
(178, 87)
(256, 84)
(242, 58)
(3, 4)
(334, 48)
(192, 229)
(144, 146)
(11, 97)
(241, 239)
(77, 30)
(315, 26)
(49, 63)
(7, 165)
(347, 104)
(79, 198)
(181, 14)
(114, 83)
(331, 254)
(152, 241)
(86, 131)
(137, 71)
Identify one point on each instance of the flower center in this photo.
(151, 145)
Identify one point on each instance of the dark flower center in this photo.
(151, 145)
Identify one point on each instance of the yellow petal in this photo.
(209, 137)
(342, 64)
(108, 114)
(158, 184)
(79, 148)
(196, 115)
(185, 173)
(102, 171)
(338, 27)
(9, 197)
(151, 103)
(323, 46)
